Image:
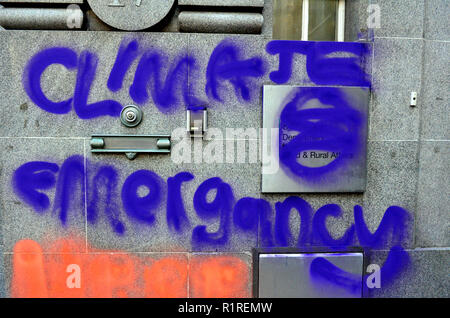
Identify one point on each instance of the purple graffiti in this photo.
(128, 52)
(322, 269)
(283, 209)
(177, 219)
(87, 68)
(393, 223)
(225, 64)
(148, 74)
(322, 68)
(334, 129)
(106, 177)
(246, 214)
(71, 173)
(395, 263)
(33, 73)
(33, 176)
(250, 214)
(394, 220)
(141, 207)
(220, 207)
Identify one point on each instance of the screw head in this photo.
(131, 116)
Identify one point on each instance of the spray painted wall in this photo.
(155, 228)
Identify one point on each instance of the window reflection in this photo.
(287, 19)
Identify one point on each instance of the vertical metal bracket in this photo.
(196, 121)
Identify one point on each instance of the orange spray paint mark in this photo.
(64, 253)
(114, 274)
(111, 275)
(166, 278)
(29, 276)
(219, 277)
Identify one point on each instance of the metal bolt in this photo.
(130, 116)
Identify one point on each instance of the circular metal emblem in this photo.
(131, 116)
(131, 15)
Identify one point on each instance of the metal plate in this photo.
(317, 139)
(131, 145)
(290, 276)
(131, 15)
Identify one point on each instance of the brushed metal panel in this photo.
(289, 276)
(322, 146)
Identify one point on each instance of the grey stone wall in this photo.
(411, 54)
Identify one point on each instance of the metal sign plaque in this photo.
(316, 139)
(302, 275)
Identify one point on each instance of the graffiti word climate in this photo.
(165, 81)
